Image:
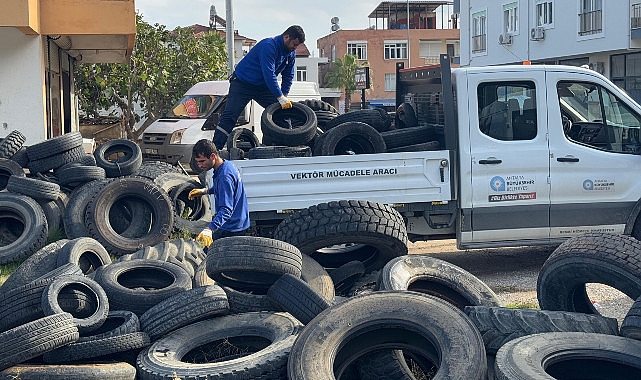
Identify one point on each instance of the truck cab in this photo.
(171, 138)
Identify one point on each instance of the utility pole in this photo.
(229, 34)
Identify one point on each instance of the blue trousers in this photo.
(240, 93)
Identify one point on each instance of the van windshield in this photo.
(194, 107)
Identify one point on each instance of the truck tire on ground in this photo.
(153, 169)
(351, 137)
(342, 231)
(74, 216)
(56, 161)
(118, 157)
(137, 285)
(317, 277)
(261, 343)
(346, 275)
(290, 127)
(35, 188)
(85, 252)
(25, 226)
(569, 355)
(36, 338)
(98, 348)
(499, 325)
(143, 190)
(425, 274)
(631, 326)
(9, 168)
(118, 322)
(184, 308)
(11, 144)
(251, 263)
(55, 146)
(93, 371)
(427, 326)
(298, 298)
(610, 259)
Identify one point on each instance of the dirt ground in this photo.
(512, 274)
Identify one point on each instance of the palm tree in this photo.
(342, 76)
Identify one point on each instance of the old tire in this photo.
(569, 355)
(631, 326)
(118, 157)
(93, 371)
(425, 325)
(295, 296)
(268, 338)
(290, 127)
(610, 259)
(425, 274)
(353, 137)
(25, 226)
(85, 252)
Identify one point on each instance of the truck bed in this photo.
(281, 184)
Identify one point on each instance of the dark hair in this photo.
(295, 32)
(204, 148)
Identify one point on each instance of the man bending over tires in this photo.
(255, 77)
(231, 214)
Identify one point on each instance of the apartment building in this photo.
(603, 34)
(40, 43)
(415, 32)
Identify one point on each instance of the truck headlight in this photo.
(177, 136)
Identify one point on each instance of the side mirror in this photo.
(211, 123)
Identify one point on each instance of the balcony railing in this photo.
(590, 23)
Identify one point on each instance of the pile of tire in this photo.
(315, 128)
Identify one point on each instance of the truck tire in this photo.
(184, 308)
(153, 169)
(295, 296)
(376, 231)
(398, 138)
(371, 117)
(11, 144)
(190, 215)
(569, 355)
(118, 322)
(9, 168)
(143, 190)
(346, 275)
(55, 161)
(74, 216)
(35, 188)
(273, 335)
(319, 105)
(406, 115)
(118, 157)
(425, 274)
(76, 175)
(317, 277)
(186, 253)
(25, 226)
(36, 338)
(242, 138)
(499, 325)
(20, 157)
(631, 326)
(137, 285)
(351, 137)
(85, 252)
(410, 321)
(251, 263)
(98, 348)
(261, 152)
(428, 146)
(54, 146)
(290, 127)
(246, 302)
(93, 371)
(610, 259)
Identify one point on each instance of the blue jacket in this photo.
(264, 62)
(232, 212)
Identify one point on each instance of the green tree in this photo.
(342, 76)
(164, 64)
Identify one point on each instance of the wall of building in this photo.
(22, 104)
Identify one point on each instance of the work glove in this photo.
(197, 193)
(284, 102)
(205, 237)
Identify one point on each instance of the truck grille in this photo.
(154, 138)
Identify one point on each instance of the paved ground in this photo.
(512, 273)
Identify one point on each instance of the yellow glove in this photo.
(197, 193)
(205, 238)
(284, 102)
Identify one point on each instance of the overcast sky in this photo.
(258, 19)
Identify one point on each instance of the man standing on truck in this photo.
(231, 214)
(255, 77)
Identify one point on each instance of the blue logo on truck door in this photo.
(497, 183)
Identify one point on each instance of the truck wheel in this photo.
(419, 323)
(352, 137)
(499, 325)
(24, 227)
(291, 127)
(370, 232)
(118, 157)
(262, 343)
(425, 274)
(569, 355)
(609, 259)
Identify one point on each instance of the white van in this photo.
(171, 138)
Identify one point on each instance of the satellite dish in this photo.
(334, 20)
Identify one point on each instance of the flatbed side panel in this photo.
(389, 178)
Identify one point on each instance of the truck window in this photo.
(507, 110)
(595, 117)
(194, 106)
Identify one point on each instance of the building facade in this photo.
(605, 35)
(431, 31)
(40, 43)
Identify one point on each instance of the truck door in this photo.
(508, 157)
(594, 155)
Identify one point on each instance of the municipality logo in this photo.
(497, 183)
(588, 185)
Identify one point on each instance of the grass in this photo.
(523, 305)
(7, 269)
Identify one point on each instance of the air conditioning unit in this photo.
(505, 39)
(537, 34)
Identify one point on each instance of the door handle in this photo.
(490, 162)
(567, 159)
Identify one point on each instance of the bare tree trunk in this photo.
(348, 101)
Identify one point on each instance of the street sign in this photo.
(362, 78)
